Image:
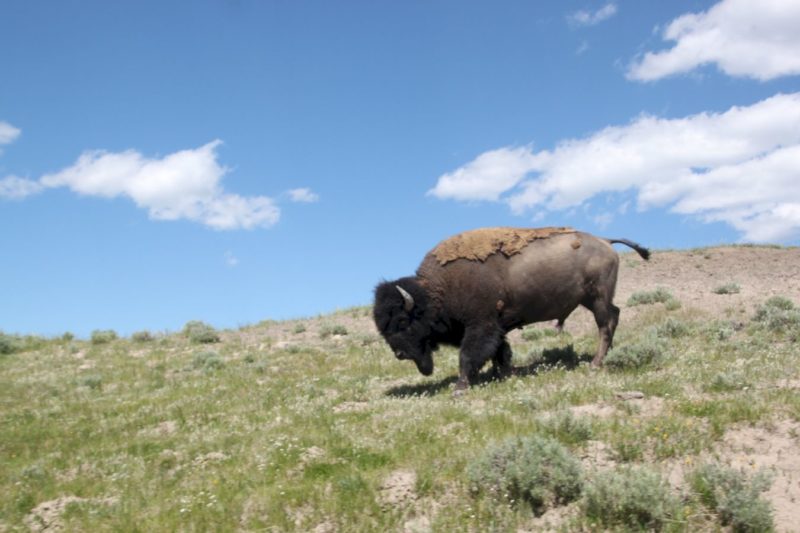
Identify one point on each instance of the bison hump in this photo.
(479, 244)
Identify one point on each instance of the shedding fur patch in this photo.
(479, 244)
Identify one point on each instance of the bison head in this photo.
(400, 315)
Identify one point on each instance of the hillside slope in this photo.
(313, 425)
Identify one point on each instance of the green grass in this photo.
(164, 434)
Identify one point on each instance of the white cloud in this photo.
(183, 185)
(585, 17)
(16, 188)
(489, 175)
(303, 195)
(740, 167)
(758, 40)
(8, 133)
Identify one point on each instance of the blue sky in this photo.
(234, 161)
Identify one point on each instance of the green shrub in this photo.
(103, 336)
(565, 356)
(728, 288)
(200, 332)
(92, 381)
(660, 295)
(672, 328)
(534, 334)
(727, 381)
(719, 330)
(648, 350)
(142, 336)
(326, 330)
(568, 428)
(779, 302)
(778, 314)
(299, 328)
(635, 498)
(8, 344)
(735, 497)
(207, 361)
(536, 470)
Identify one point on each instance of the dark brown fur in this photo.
(458, 303)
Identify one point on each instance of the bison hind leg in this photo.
(606, 316)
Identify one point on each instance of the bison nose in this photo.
(400, 355)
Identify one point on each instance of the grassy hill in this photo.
(312, 425)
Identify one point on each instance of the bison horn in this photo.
(409, 300)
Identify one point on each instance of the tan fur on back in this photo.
(479, 244)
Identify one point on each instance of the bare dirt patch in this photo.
(47, 516)
(775, 449)
(778, 450)
(398, 489)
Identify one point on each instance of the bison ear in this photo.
(408, 300)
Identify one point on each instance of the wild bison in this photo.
(475, 287)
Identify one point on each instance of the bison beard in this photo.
(472, 303)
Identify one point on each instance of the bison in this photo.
(475, 287)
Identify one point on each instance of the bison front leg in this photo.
(479, 345)
(502, 361)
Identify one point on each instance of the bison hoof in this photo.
(461, 388)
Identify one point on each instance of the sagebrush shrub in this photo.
(660, 295)
(142, 336)
(780, 302)
(568, 428)
(326, 330)
(93, 381)
(565, 356)
(735, 497)
(536, 470)
(673, 328)
(778, 314)
(719, 330)
(103, 336)
(647, 350)
(728, 288)
(207, 361)
(635, 498)
(8, 344)
(200, 332)
(533, 334)
(728, 381)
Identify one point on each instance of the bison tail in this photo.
(641, 250)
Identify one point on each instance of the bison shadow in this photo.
(563, 357)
